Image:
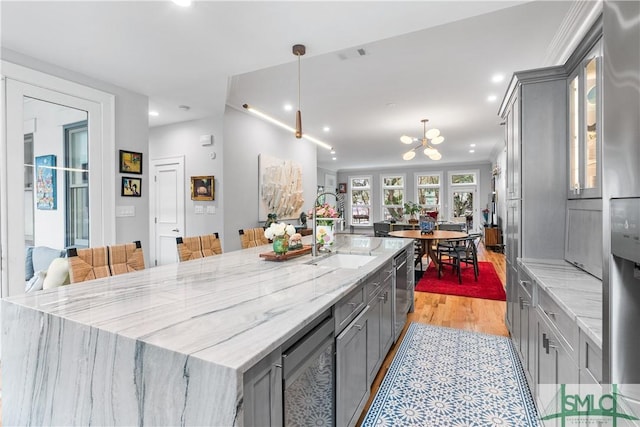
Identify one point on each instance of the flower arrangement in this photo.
(295, 242)
(279, 229)
(324, 211)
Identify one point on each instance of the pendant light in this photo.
(299, 50)
(429, 138)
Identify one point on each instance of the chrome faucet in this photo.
(314, 246)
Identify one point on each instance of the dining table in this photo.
(426, 240)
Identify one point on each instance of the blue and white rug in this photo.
(453, 378)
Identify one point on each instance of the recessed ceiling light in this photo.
(497, 78)
(333, 151)
(492, 98)
(154, 113)
(334, 158)
(326, 128)
(472, 145)
(288, 107)
(472, 151)
(183, 3)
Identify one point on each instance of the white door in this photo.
(167, 208)
(463, 204)
(15, 214)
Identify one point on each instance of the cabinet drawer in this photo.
(590, 356)
(567, 327)
(349, 307)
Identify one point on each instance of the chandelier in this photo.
(430, 138)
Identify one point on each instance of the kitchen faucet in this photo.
(314, 246)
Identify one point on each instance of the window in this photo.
(428, 191)
(392, 196)
(77, 188)
(360, 189)
(463, 197)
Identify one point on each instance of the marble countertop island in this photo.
(577, 292)
(150, 346)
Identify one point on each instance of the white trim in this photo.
(370, 205)
(383, 187)
(440, 175)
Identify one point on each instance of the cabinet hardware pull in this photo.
(523, 303)
(277, 365)
(359, 327)
(550, 344)
(545, 342)
(549, 313)
(376, 284)
(525, 282)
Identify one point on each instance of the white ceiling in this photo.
(424, 59)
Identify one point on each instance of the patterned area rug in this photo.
(453, 378)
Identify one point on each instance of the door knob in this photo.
(176, 230)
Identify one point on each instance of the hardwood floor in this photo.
(473, 314)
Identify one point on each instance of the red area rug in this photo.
(488, 285)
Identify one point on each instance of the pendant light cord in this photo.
(298, 82)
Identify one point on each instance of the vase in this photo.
(325, 236)
(280, 245)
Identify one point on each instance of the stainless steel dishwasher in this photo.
(308, 375)
(404, 293)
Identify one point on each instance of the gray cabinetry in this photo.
(534, 112)
(583, 246)
(556, 364)
(263, 392)
(352, 385)
(380, 328)
(523, 330)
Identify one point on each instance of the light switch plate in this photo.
(124, 211)
(199, 209)
(211, 209)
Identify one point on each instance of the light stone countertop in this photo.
(232, 309)
(577, 292)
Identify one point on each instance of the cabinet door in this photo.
(352, 386)
(515, 149)
(512, 298)
(373, 337)
(512, 248)
(524, 304)
(386, 320)
(263, 392)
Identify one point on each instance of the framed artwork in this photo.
(280, 188)
(130, 162)
(46, 189)
(342, 187)
(202, 188)
(131, 187)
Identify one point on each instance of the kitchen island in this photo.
(168, 345)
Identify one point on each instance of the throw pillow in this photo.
(57, 274)
(43, 255)
(28, 263)
(36, 282)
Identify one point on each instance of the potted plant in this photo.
(411, 209)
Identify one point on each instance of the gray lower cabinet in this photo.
(380, 329)
(352, 384)
(263, 392)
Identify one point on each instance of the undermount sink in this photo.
(342, 260)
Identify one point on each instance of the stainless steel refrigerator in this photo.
(621, 196)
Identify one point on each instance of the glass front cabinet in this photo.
(585, 130)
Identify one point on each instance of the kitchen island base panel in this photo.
(107, 379)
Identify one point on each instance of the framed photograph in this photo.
(130, 162)
(202, 188)
(342, 187)
(131, 187)
(46, 190)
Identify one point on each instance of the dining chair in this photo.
(252, 237)
(87, 264)
(460, 251)
(188, 248)
(210, 244)
(126, 258)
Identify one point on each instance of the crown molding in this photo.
(579, 19)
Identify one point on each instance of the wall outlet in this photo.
(199, 210)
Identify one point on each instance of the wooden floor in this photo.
(473, 314)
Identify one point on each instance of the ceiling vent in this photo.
(352, 53)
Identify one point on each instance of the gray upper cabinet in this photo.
(585, 127)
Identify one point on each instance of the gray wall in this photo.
(246, 136)
(484, 188)
(131, 133)
(183, 139)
